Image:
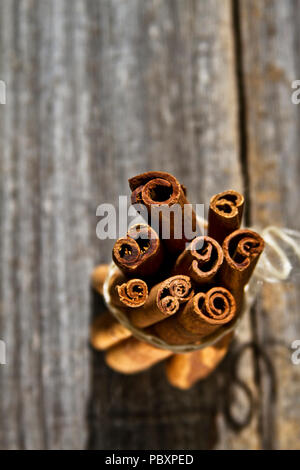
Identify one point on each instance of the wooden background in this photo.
(100, 90)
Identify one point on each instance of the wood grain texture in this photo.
(97, 91)
(168, 74)
(272, 127)
(46, 255)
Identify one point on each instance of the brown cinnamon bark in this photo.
(98, 277)
(132, 356)
(164, 300)
(184, 370)
(225, 214)
(139, 253)
(242, 250)
(107, 331)
(157, 188)
(201, 316)
(201, 260)
(123, 292)
(131, 293)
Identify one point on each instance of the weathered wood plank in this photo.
(46, 254)
(270, 45)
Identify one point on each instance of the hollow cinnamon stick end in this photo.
(140, 253)
(242, 249)
(98, 277)
(205, 256)
(225, 214)
(126, 255)
(142, 179)
(228, 204)
(132, 293)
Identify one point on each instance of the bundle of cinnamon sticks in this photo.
(177, 289)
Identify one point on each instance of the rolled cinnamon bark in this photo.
(133, 293)
(203, 314)
(157, 188)
(98, 277)
(164, 300)
(242, 250)
(184, 370)
(123, 292)
(139, 253)
(225, 214)
(107, 331)
(201, 260)
(132, 356)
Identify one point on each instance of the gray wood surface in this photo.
(100, 90)
(273, 140)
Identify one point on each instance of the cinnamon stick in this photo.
(98, 277)
(123, 292)
(107, 331)
(203, 314)
(131, 293)
(157, 188)
(225, 214)
(132, 356)
(163, 301)
(139, 253)
(184, 370)
(242, 250)
(201, 260)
